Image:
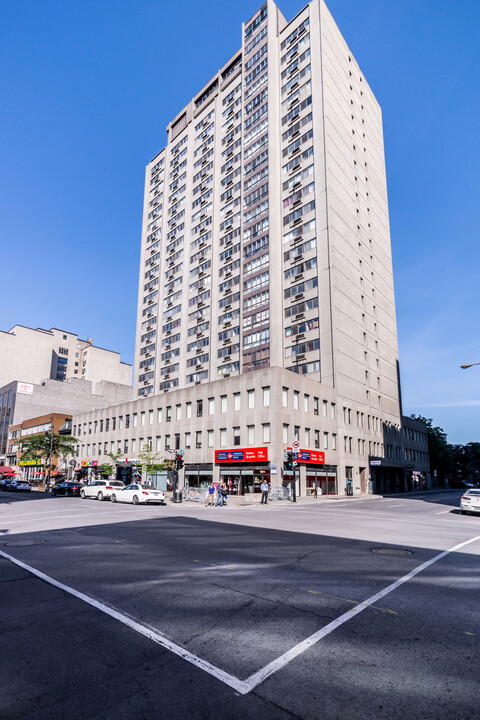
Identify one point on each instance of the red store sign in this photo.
(259, 454)
(310, 456)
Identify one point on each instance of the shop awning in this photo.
(6, 470)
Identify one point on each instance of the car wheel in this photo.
(463, 512)
(114, 498)
(82, 494)
(100, 495)
(67, 493)
(135, 500)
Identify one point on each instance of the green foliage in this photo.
(151, 461)
(37, 447)
(442, 454)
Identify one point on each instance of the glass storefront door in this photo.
(324, 480)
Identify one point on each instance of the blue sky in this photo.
(87, 90)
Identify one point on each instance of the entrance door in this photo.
(363, 480)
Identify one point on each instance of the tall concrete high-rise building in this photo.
(266, 264)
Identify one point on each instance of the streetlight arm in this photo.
(464, 367)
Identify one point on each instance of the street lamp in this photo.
(464, 367)
(47, 484)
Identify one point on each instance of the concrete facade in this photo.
(266, 262)
(31, 355)
(22, 401)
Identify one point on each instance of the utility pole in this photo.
(47, 484)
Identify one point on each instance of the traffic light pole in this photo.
(294, 470)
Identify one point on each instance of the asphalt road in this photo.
(356, 608)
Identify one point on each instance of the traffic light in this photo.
(179, 459)
(288, 460)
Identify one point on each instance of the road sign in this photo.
(73, 462)
(295, 445)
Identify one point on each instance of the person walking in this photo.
(264, 489)
(210, 495)
(220, 496)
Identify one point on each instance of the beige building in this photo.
(266, 270)
(32, 355)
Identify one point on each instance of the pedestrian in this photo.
(210, 494)
(264, 489)
(220, 496)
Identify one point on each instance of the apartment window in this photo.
(177, 441)
(125, 446)
(266, 396)
(167, 442)
(324, 408)
(306, 402)
(159, 415)
(236, 401)
(188, 409)
(105, 448)
(135, 419)
(325, 440)
(209, 438)
(120, 422)
(316, 435)
(251, 434)
(296, 396)
(332, 411)
(158, 443)
(315, 406)
(188, 440)
(127, 422)
(211, 406)
(178, 412)
(199, 410)
(285, 433)
(94, 449)
(223, 403)
(284, 397)
(142, 418)
(236, 436)
(101, 426)
(90, 426)
(296, 432)
(150, 417)
(251, 398)
(307, 437)
(134, 445)
(168, 413)
(198, 439)
(266, 432)
(95, 424)
(223, 437)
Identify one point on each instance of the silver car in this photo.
(470, 502)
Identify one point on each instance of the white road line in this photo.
(148, 632)
(443, 512)
(287, 657)
(241, 686)
(395, 506)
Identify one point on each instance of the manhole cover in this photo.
(23, 543)
(392, 551)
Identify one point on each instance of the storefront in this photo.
(198, 475)
(243, 469)
(33, 470)
(320, 479)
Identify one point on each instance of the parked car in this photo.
(100, 489)
(138, 494)
(19, 483)
(67, 488)
(5, 481)
(470, 502)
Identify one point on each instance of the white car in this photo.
(100, 489)
(20, 484)
(138, 494)
(470, 502)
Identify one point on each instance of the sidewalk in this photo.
(254, 499)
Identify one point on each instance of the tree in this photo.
(151, 461)
(109, 468)
(442, 454)
(38, 447)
